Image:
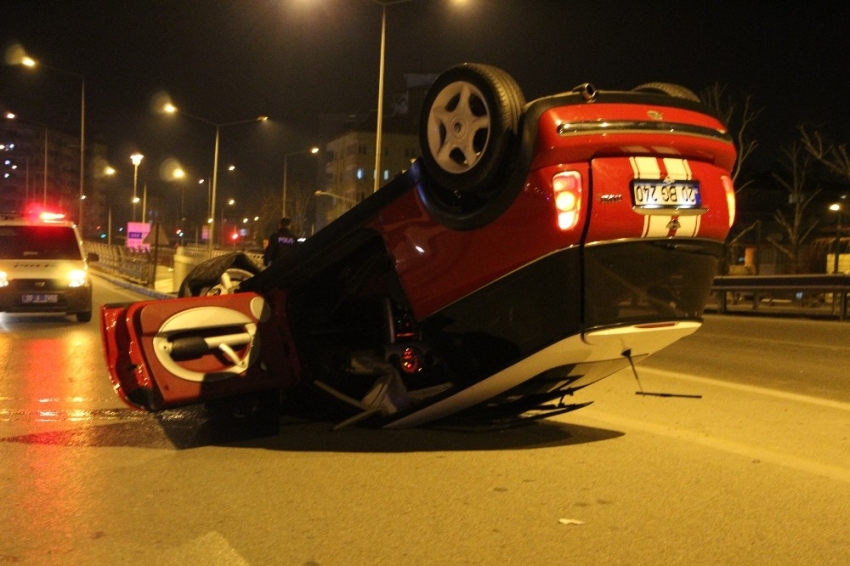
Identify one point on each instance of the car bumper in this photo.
(50, 301)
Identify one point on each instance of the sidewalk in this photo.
(163, 287)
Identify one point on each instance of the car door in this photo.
(167, 353)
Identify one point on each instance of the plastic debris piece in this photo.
(570, 522)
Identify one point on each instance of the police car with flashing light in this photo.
(43, 268)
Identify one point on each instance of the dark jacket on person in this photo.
(280, 244)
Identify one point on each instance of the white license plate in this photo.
(660, 194)
(40, 299)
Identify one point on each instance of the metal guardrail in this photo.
(132, 264)
(137, 265)
(811, 294)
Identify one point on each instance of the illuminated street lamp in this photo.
(27, 61)
(171, 109)
(136, 158)
(230, 202)
(314, 150)
(839, 210)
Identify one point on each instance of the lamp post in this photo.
(171, 109)
(136, 158)
(230, 202)
(380, 120)
(30, 62)
(314, 150)
(109, 172)
(337, 197)
(335, 209)
(838, 210)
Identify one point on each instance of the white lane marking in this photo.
(746, 450)
(829, 403)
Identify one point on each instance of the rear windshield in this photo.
(38, 242)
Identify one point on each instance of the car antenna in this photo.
(627, 353)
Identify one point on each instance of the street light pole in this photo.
(313, 150)
(136, 158)
(171, 109)
(837, 209)
(380, 119)
(212, 192)
(30, 62)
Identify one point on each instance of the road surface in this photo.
(748, 462)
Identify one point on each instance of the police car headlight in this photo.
(77, 278)
(4, 279)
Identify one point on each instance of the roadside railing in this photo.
(817, 295)
(820, 295)
(133, 264)
(137, 265)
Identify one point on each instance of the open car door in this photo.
(163, 354)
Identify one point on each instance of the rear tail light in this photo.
(567, 188)
(411, 361)
(730, 197)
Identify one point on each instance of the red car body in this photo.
(487, 290)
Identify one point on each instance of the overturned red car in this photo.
(532, 250)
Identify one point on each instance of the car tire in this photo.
(669, 89)
(469, 129)
(218, 276)
(83, 316)
(227, 284)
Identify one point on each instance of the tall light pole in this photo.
(136, 158)
(350, 201)
(838, 210)
(230, 202)
(312, 150)
(171, 109)
(30, 62)
(380, 126)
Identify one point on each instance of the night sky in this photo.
(232, 60)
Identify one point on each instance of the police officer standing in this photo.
(280, 243)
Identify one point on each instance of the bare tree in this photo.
(834, 157)
(794, 223)
(738, 116)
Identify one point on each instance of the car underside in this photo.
(532, 250)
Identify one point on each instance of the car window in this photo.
(38, 242)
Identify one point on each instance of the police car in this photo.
(533, 249)
(43, 268)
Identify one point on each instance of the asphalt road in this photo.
(750, 464)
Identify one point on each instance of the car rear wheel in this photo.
(469, 135)
(83, 316)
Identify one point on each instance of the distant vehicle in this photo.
(43, 268)
(533, 249)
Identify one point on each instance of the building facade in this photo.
(40, 167)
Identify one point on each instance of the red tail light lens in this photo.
(410, 361)
(567, 188)
(730, 197)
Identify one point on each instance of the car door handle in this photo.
(194, 346)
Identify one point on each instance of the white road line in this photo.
(746, 450)
(841, 406)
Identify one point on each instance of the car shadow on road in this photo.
(189, 428)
